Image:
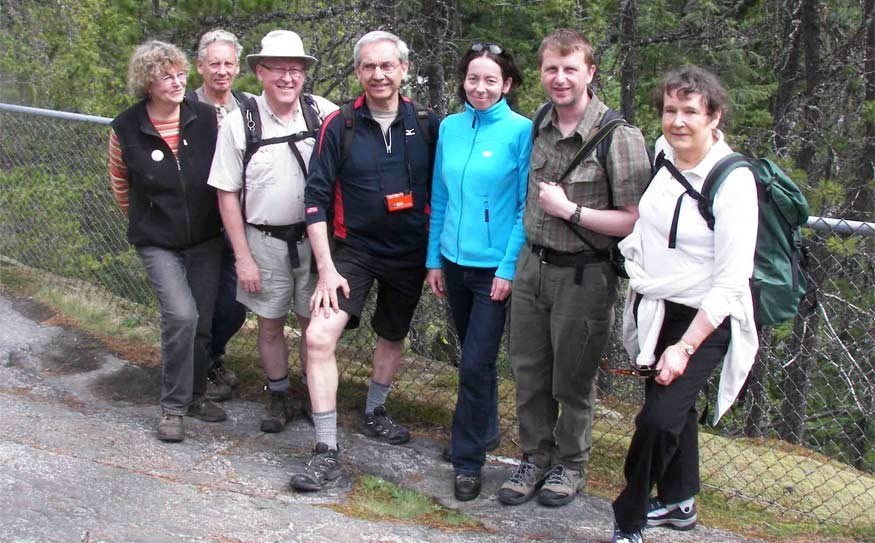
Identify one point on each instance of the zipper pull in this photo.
(486, 211)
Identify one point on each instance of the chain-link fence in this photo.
(800, 438)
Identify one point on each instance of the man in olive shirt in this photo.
(564, 290)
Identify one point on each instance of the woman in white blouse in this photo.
(689, 303)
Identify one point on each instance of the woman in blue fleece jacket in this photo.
(476, 231)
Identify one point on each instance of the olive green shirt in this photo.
(627, 163)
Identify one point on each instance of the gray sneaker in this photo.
(170, 428)
(561, 485)
(217, 390)
(206, 411)
(224, 375)
(279, 413)
(522, 484)
(323, 467)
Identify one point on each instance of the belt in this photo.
(566, 260)
(298, 231)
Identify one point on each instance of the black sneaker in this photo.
(680, 516)
(522, 484)
(447, 455)
(206, 411)
(279, 413)
(466, 487)
(627, 537)
(216, 391)
(323, 467)
(380, 426)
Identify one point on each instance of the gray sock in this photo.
(326, 428)
(278, 385)
(376, 396)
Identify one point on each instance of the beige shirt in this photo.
(274, 180)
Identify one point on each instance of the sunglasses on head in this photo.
(493, 48)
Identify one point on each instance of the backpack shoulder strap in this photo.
(252, 129)
(192, 95)
(312, 117)
(714, 179)
(423, 119)
(347, 114)
(540, 115)
(239, 97)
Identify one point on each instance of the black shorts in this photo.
(399, 286)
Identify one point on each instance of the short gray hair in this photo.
(380, 35)
(212, 37)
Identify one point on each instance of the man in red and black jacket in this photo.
(369, 175)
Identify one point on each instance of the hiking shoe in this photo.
(680, 516)
(627, 537)
(380, 426)
(466, 487)
(279, 413)
(206, 411)
(216, 391)
(323, 466)
(170, 428)
(490, 446)
(561, 485)
(522, 484)
(224, 375)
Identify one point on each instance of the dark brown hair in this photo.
(688, 80)
(504, 61)
(567, 41)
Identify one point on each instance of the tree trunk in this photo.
(628, 57)
(797, 383)
(811, 110)
(787, 70)
(860, 195)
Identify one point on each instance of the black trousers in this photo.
(665, 450)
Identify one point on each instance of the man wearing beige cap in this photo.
(259, 169)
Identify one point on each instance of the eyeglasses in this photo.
(493, 48)
(385, 67)
(169, 79)
(294, 73)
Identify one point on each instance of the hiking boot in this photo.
(466, 487)
(627, 537)
(279, 413)
(561, 485)
(323, 467)
(170, 428)
(383, 428)
(206, 411)
(522, 484)
(224, 375)
(490, 446)
(216, 391)
(680, 516)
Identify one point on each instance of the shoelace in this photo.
(557, 476)
(464, 478)
(523, 473)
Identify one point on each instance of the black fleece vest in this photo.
(171, 205)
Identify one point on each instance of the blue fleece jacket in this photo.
(479, 189)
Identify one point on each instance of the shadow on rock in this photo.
(133, 384)
(72, 353)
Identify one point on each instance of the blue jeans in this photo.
(186, 281)
(479, 323)
(229, 314)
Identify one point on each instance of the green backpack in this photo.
(779, 280)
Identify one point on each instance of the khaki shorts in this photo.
(281, 286)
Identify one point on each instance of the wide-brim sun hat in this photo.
(280, 44)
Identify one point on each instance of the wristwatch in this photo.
(686, 347)
(575, 217)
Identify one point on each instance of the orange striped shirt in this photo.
(118, 170)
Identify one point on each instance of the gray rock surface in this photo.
(79, 462)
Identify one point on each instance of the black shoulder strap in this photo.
(252, 129)
(713, 181)
(541, 114)
(310, 109)
(192, 95)
(239, 97)
(688, 189)
(423, 120)
(596, 140)
(347, 113)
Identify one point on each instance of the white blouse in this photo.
(707, 269)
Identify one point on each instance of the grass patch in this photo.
(373, 498)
